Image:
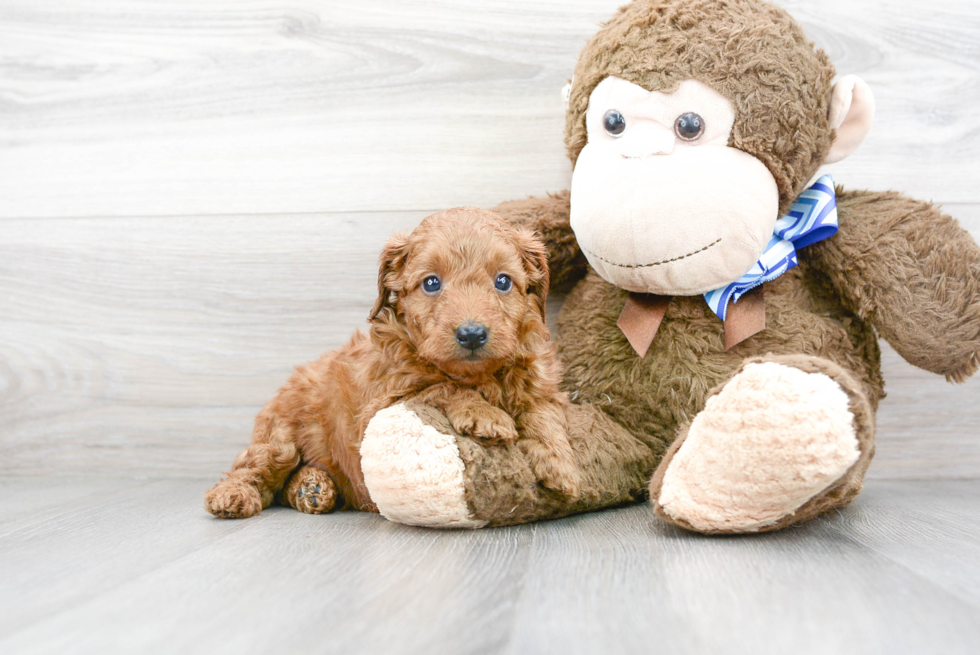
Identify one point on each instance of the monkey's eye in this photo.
(689, 126)
(614, 122)
(431, 284)
(503, 283)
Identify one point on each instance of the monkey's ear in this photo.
(852, 111)
(390, 268)
(535, 258)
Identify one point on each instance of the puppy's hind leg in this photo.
(310, 490)
(258, 472)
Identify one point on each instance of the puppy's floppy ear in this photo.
(535, 258)
(392, 261)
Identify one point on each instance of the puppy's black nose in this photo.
(471, 335)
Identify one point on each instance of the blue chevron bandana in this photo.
(812, 218)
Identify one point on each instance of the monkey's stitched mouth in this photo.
(666, 261)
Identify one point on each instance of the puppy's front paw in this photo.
(553, 464)
(491, 423)
(560, 476)
(233, 499)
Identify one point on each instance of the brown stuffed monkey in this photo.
(720, 337)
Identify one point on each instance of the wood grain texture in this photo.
(148, 345)
(111, 566)
(157, 284)
(127, 108)
(131, 344)
(192, 199)
(808, 590)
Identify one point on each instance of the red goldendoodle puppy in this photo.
(459, 323)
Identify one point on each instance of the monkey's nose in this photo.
(472, 335)
(648, 141)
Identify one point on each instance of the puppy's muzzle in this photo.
(472, 336)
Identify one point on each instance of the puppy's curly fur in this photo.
(502, 387)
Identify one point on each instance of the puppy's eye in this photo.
(614, 122)
(431, 284)
(503, 283)
(689, 126)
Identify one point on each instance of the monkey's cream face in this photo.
(660, 202)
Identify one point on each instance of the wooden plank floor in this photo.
(139, 567)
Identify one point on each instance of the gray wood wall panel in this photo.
(129, 108)
(147, 345)
(193, 195)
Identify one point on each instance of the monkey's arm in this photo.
(913, 273)
(548, 217)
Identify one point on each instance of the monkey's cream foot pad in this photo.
(414, 472)
(771, 440)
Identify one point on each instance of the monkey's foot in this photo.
(786, 439)
(414, 472)
(311, 491)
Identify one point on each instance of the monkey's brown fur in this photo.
(751, 52)
(898, 268)
(313, 427)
